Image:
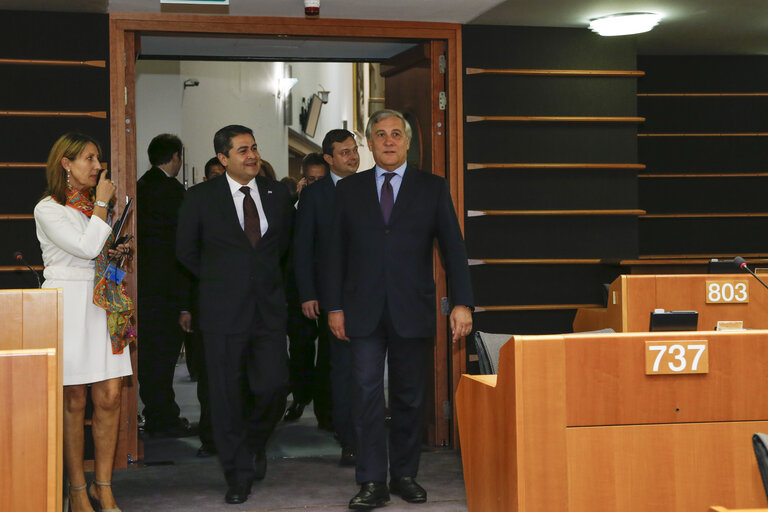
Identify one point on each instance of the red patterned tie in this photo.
(387, 201)
(251, 221)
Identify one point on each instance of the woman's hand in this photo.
(105, 188)
(124, 253)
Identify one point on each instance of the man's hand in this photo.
(336, 323)
(311, 309)
(461, 322)
(185, 321)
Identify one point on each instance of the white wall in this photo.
(233, 93)
(158, 105)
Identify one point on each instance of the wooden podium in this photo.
(572, 423)
(631, 298)
(30, 400)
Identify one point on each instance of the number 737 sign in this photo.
(676, 357)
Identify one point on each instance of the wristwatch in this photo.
(100, 203)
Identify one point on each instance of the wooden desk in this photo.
(31, 400)
(572, 423)
(631, 298)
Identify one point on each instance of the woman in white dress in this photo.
(73, 231)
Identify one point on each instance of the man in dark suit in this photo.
(233, 234)
(381, 295)
(309, 369)
(161, 287)
(311, 239)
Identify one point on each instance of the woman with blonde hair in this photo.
(72, 221)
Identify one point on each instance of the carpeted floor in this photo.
(302, 473)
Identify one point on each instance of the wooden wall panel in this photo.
(49, 88)
(505, 142)
(735, 114)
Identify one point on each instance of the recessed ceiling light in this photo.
(624, 23)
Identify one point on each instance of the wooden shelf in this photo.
(45, 62)
(480, 213)
(628, 167)
(702, 215)
(681, 261)
(750, 134)
(532, 261)
(556, 119)
(557, 72)
(705, 175)
(702, 94)
(17, 268)
(17, 216)
(535, 307)
(40, 113)
(22, 165)
(746, 256)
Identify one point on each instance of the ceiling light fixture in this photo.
(624, 23)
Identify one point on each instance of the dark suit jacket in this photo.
(237, 281)
(370, 262)
(158, 199)
(314, 222)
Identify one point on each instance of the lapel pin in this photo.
(269, 191)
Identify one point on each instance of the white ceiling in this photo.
(690, 26)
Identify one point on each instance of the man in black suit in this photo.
(161, 287)
(309, 369)
(381, 295)
(314, 220)
(233, 234)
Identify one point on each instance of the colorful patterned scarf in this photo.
(107, 294)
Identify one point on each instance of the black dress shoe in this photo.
(295, 411)
(206, 450)
(407, 488)
(260, 465)
(371, 495)
(348, 456)
(325, 424)
(237, 494)
(181, 427)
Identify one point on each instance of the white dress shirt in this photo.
(237, 197)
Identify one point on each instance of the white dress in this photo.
(70, 241)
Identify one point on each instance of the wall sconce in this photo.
(323, 94)
(284, 86)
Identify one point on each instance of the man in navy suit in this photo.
(381, 296)
(233, 234)
(310, 244)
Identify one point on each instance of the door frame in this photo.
(123, 45)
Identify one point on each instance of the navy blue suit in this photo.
(381, 276)
(314, 223)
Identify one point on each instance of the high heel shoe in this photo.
(95, 497)
(74, 489)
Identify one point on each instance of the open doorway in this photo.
(126, 32)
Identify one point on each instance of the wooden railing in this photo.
(480, 213)
(630, 167)
(558, 72)
(47, 62)
(557, 119)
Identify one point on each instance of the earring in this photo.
(69, 171)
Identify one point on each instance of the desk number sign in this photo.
(731, 291)
(676, 357)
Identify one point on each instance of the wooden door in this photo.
(413, 85)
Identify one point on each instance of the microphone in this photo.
(20, 258)
(738, 260)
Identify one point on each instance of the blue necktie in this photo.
(387, 197)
